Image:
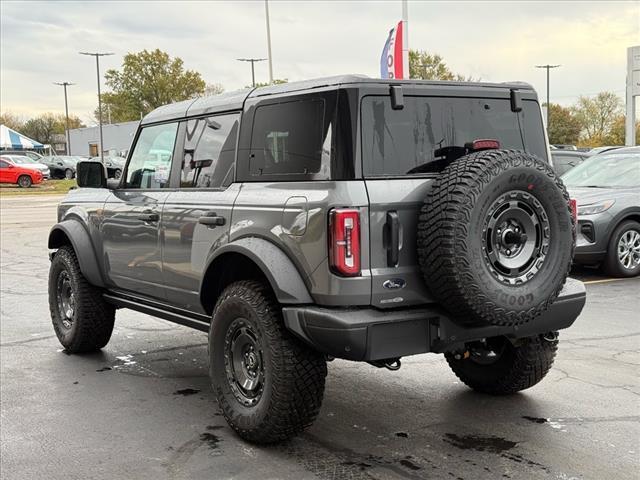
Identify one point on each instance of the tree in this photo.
(12, 121)
(597, 116)
(426, 66)
(617, 134)
(213, 89)
(147, 80)
(564, 127)
(44, 127)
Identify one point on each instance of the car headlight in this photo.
(595, 207)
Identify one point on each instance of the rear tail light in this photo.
(573, 206)
(344, 241)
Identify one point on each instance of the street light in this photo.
(253, 61)
(548, 67)
(66, 112)
(98, 55)
(266, 10)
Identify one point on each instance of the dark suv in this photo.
(343, 217)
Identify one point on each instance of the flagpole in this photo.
(405, 39)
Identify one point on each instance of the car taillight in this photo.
(573, 206)
(344, 241)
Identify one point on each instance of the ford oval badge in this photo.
(394, 284)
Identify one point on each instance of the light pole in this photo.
(98, 55)
(266, 9)
(548, 67)
(66, 112)
(253, 61)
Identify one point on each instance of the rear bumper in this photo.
(368, 334)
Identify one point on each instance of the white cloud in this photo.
(493, 40)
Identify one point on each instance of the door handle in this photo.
(149, 216)
(211, 220)
(393, 238)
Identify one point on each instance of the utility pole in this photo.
(253, 72)
(266, 9)
(66, 113)
(548, 67)
(98, 55)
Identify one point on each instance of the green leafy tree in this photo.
(564, 127)
(617, 134)
(213, 89)
(431, 66)
(597, 116)
(44, 127)
(147, 80)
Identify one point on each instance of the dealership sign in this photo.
(391, 61)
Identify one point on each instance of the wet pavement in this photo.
(143, 407)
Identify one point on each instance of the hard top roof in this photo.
(235, 100)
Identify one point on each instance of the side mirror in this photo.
(11, 165)
(91, 174)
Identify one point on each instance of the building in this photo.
(117, 138)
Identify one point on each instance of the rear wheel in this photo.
(499, 367)
(623, 254)
(117, 174)
(268, 384)
(82, 320)
(68, 174)
(25, 181)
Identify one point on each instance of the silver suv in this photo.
(343, 217)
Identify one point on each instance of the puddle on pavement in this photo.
(480, 443)
(210, 439)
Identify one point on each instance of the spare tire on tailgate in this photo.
(496, 238)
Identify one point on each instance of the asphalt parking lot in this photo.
(143, 407)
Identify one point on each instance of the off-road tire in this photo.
(451, 238)
(24, 181)
(519, 367)
(611, 264)
(294, 374)
(93, 318)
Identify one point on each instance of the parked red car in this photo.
(12, 173)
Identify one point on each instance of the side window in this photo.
(291, 138)
(209, 151)
(3, 164)
(150, 163)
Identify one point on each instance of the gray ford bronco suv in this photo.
(343, 217)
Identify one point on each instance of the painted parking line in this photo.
(607, 280)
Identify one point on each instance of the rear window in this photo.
(291, 138)
(401, 142)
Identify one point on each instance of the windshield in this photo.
(20, 160)
(613, 170)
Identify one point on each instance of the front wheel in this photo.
(117, 174)
(25, 181)
(268, 384)
(623, 254)
(498, 366)
(82, 320)
(68, 174)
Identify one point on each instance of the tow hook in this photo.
(550, 337)
(392, 364)
(461, 355)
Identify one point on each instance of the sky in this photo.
(495, 41)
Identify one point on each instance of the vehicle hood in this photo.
(35, 166)
(589, 196)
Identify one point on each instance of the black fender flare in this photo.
(283, 276)
(80, 240)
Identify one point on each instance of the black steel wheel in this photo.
(496, 238)
(269, 385)
(82, 320)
